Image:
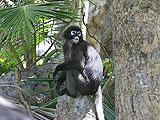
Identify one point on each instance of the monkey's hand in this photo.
(58, 68)
(54, 74)
(57, 88)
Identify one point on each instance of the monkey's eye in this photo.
(73, 32)
(79, 33)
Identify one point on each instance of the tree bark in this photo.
(136, 53)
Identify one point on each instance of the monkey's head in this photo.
(73, 34)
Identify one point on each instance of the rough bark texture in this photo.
(80, 108)
(100, 27)
(136, 45)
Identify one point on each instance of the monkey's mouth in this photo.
(75, 40)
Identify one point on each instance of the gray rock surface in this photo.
(10, 87)
(80, 108)
(9, 111)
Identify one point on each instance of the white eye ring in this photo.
(73, 32)
(79, 33)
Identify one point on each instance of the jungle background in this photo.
(126, 33)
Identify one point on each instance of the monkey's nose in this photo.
(76, 38)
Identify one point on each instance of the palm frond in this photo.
(13, 20)
(109, 112)
(26, 23)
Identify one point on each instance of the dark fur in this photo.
(82, 69)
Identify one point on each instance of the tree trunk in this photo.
(136, 53)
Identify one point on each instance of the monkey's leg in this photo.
(65, 91)
(83, 85)
(71, 84)
(71, 90)
(62, 92)
(61, 79)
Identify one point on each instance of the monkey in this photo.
(82, 68)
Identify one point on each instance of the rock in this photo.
(9, 111)
(80, 108)
(9, 85)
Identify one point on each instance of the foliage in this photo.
(107, 68)
(109, 110)
(7, 64)
(24, 27)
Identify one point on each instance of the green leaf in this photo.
(20, 26)
(47, 58)
(49, 103)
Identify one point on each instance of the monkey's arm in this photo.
(69, 65)
(61, 79)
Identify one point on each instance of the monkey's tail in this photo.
(99, 105)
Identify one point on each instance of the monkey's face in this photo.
(73, 34)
